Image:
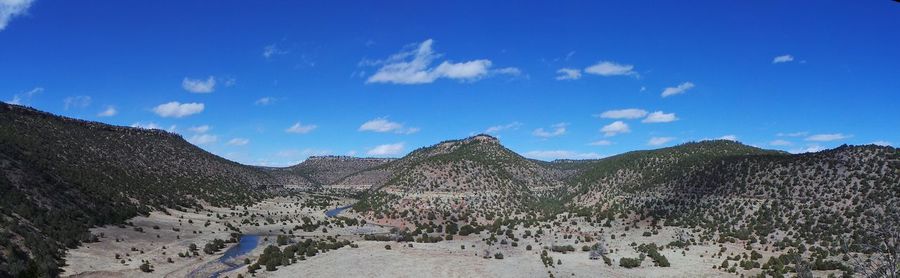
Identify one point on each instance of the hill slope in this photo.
(472, 175)
(329, 170)
(60, 176)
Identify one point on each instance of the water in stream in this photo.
(246, 244)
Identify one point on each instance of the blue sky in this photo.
(272, 82)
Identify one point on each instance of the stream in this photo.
(246, 244)
(334, 212)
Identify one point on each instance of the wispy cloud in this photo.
(263, 101)
(615, 128)
(811, 148)
(568, 74)
(780, 142)
(272, 50)
(607, 68)
(729, 137)
(783, 59)
(108, 112)
(76, 102)
(176, 109)
(882, 143)
(657, 141)
(203, 139)
(412, 65)
(792, 134)
(152, 125)
(660, 117)
(385, 125)
(556, 130)
(561, 154)
(387, 149)
(630, 113)
(199, 86)
(827, 137)
(677, 90)
(299, 128)
(10, 9)
(238, 142)
(25, 97)
(601, 143)
(498, 128)
(200, 129)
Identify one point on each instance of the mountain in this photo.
(633, 171)
(60, 176)
(330, 170)
(718, 188)
(475, 174)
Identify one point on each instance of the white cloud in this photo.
(200, 129)
(149, 125)
(300, 128)
(264, 101)
(386, 149)
(512, 71)
(199, 86)
(568, 74)
(413, 66)
(680, 89)
(76, 102)
(238, 142)
(827, 137)
(809, 149)
(780, 142)
(152, 125)
(783, 59)
(558, 129)
(882, 143)
(614, 128)
(24, 98)
(606, 68)
(272, 50)
(298, 154)
(656, 141)
(384, 125)
(793, 134)
(203, 139)
(630, 113)
(561, 154)
(660, 117)
(177, 110)
(108, 112)
(601, 143)
(729, 137)
(498, 128)
(10, 9)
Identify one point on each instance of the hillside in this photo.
(60, 176)
(474, 175)
(812, 201)
(329, 170)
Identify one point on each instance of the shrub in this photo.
(629, 262)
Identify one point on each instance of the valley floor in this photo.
(160, 237)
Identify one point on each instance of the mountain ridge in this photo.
(60, 176)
